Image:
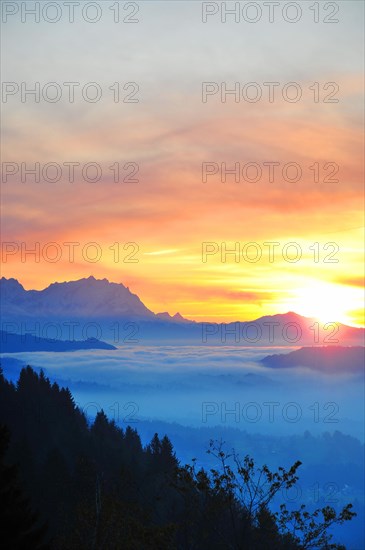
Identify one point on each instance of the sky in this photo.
(168, 235)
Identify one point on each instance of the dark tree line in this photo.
(95, 487)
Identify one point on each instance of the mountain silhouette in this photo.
(104, 303)
(82, 298)
(328, 359)
(13, 343)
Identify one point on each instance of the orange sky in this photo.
(170, 133)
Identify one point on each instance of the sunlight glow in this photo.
(328, 302)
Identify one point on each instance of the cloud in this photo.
(351, 281)
(172, 383)
(170, 133)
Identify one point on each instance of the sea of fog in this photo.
(194, 394)
(203, 386)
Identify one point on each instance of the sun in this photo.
(327, 302)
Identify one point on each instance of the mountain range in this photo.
(111, 312)
(83, 298)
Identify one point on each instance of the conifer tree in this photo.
(19, 525)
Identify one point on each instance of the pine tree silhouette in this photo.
(19, 525)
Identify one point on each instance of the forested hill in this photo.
(96, 487)
(15, 343)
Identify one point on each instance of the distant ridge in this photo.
(81, 298)
(178, 318)
(105, 304)
(327, 359)
(15, 343)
